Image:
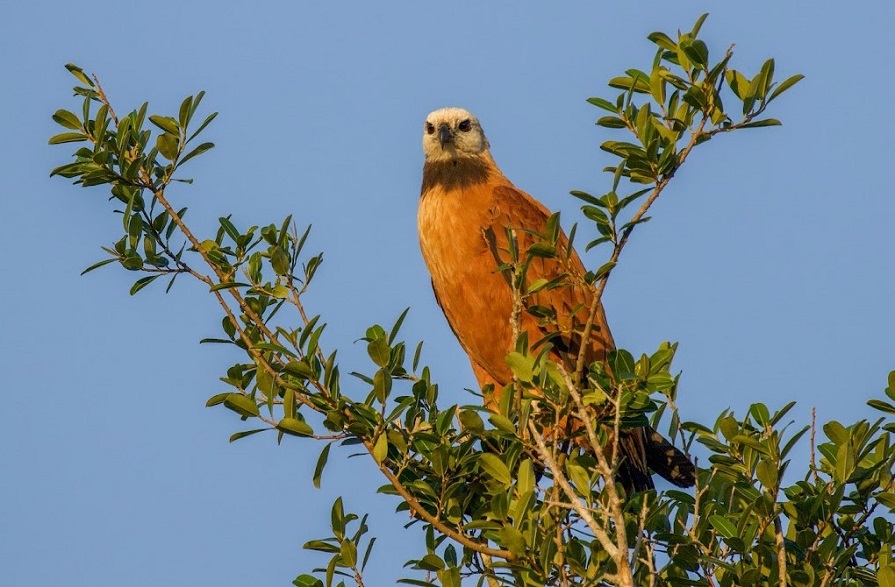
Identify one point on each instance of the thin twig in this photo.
(105, 99)
(781, 551)
(573, 497)
(814, 446)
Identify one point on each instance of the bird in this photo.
(467, 208)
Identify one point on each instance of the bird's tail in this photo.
(646, 450)
(667, 461)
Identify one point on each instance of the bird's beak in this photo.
(445, 135)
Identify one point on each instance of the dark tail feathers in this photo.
(646, 450)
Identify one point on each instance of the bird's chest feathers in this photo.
(464, 272)
(451, 231)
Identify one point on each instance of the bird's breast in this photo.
(450, 231)
(472, 293)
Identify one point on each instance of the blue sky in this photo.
(769, 258)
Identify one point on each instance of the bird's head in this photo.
(453, 133)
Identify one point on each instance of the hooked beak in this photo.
(445, 135)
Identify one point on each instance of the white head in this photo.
(453, 133)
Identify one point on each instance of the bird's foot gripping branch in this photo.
(522, 491)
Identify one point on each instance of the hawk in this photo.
(466, 206)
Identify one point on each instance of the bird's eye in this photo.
(430, 128)
(465, 125)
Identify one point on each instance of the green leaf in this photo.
(216, 399)
(449, 577)
(881, 406)
(502, 423)
(67, 137)
(792, 441)
(183, 115)
(761, 123)
(288, 401)
(197, 151)
(760, 413)
(594, 397)
(536, 286)
(379, 351)
(321, 464)
(542, 250)
(397, 327)
(241, 404)
(380, 449)
(348, 551)
(132, 262)
(887, 499)
(493, 466)
(67, 119)
(79, 74)
(595, 243)
(227, 285)
(579, 477)
(698, 24)
(767, 473)
(836, 432)
(300, 368)
(511, 538)
(738, 83)
(71, 169)
(697, 52)
(766, 76)
(638, 85)
(525, 477)
(229, 228)
(236, 436)
(98, 265)
(785, 85)
(586, 197)
(307, 581)
(662, 40)
(604, 104)
(166, 123)
(886, 576)
(695, 97)
(320, 546)
(521, 366)
(657, 88)
(143, 282)
(382, 384)
(430, 562)
(337, 518)
(167, 145)
(845, 462)
(370, 544)
(295, 427)
(194, 105)
(778, 415)
(472, 422)
(725, 527)
(751, 442)
(603, 270)
(202, 126)
(280, 261)
(611, 122)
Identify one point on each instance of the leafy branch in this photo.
(667, 127)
